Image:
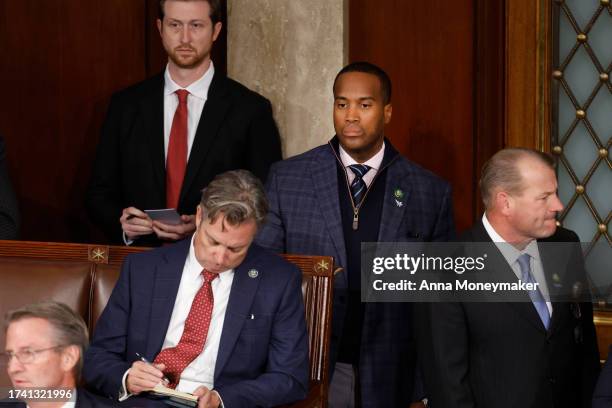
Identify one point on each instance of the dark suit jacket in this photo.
(305, 218)
(9, 212)
(262, 361)
(85, 399)
(602, 397)
(236, 131)
(498, 354)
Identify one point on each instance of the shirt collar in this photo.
(509, 251)
(198, 88)
(374, 162)
(193, 269)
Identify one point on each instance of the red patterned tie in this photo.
(176, 161)
(194, 333)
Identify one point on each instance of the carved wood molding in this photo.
(528, 70)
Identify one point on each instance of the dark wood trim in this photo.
(528, 72)
(59, 251)
(603, 323)
(219, 51)
(489, 90)
(155, 55)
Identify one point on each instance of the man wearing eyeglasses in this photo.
(43, 358)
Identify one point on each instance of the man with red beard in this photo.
(167, 137)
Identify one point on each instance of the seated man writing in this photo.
(217, 315)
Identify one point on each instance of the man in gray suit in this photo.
(358, 188)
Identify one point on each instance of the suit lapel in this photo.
(524, 308)
(324, 174)
(239, 303)
(397, 194)
(166, 283)
(213, 114)
(554, 263)
(152, 118)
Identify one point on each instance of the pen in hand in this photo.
(144, 360)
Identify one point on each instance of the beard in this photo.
(189, 61)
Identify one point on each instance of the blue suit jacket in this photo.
(305, 218)
(261, 361)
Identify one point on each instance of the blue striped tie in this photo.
(358, 186)
(536, 296)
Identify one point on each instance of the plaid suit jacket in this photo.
(305, 218)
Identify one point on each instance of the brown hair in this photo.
(238, 194)
(215, 9)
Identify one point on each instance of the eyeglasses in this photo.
(25, 356)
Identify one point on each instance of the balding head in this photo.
(519, 188)
(502, 172)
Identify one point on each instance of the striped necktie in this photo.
(358, 186)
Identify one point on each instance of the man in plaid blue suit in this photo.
(358, 188)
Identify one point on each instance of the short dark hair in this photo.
(215, 9)
(369, 68)
(502, 171)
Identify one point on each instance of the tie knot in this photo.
(182, 95)
(523, 261)
(209, 276)
(359, 169)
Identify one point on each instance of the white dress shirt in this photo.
(374, 162)
(511, 254)
(201, 371)
(198, 94)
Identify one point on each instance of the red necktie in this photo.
(176, 161)
(194, 333)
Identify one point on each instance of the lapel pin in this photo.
(398, 196)
(253, 273)
(252, 316)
